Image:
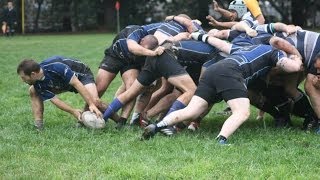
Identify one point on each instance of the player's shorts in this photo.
(165, 65)
(81, 70)
(86, 76)
(222, 80)
(214, 60)
(114, 64)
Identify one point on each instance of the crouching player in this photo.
(56, 75)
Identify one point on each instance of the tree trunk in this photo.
(36, 22)
(298, 12)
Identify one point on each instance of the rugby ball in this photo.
(92, 121)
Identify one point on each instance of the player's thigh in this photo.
(183, 82)
(129, 77)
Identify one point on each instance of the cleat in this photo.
(226, 112)
(149, 132)
(135, 121)
(140, 121)
(168, 131)
(121, 123)
(282, 122)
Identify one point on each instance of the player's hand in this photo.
(168, 18)
(291, 29)
(215, 5)
(95, 110)
(316, 82)
(212, 21)
(159, 50)
(251, 32)
(77, 114)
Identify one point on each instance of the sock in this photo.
(302, 107)
(176, 106)
(134, 116)
(269, 108)
(112, 108)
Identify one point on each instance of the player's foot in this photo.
(193, 126)
(282, 122)
(121, 123)
(149, 132)
(226, 112)
(222, 140)
(141, 121)
(310, 124)
(168, 131)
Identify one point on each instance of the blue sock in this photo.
(112, 108)
(176, 106)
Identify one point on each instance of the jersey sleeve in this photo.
(276, 56)
(233, 34)
(44, 94)
(136, 35)
(253, 7)
(262, 38)
(268, 28)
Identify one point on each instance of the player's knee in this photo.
(242, 113)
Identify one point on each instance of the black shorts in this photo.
(165, 65)
(114, 64)
(214, 60)
(194, 72)
(222, 80)
(86, 76)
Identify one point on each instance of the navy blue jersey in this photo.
(194, 52)
(242, 39)
(255, 61)
(58, 72)
(171, 28)
(133, 32)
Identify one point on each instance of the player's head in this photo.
(28, 71)
(10, 4)
(238, 8)
(149, 42)
(185, 16)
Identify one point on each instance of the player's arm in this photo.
(284, 45)
(187, 23)
(65, 107)
(243, 27)
(179, 37)
(222, 34)
(255, 10)
(85, 94)
(217, 43)
(292, 64)
(213, 22)
(138, 50)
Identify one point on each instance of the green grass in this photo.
(62, 151)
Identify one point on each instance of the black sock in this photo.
(271, 109)
(302, 107)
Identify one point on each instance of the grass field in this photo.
(63, 151)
